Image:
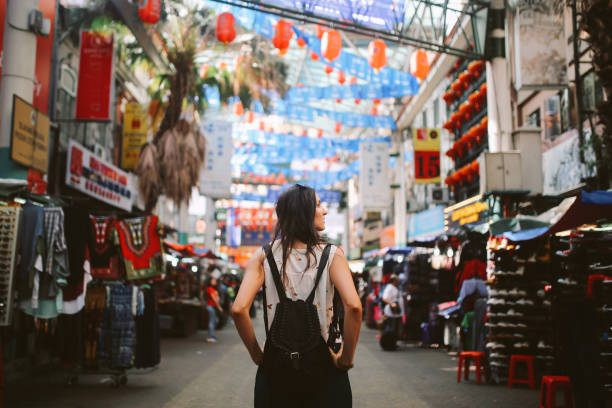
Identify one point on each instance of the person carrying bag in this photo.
(298, 366)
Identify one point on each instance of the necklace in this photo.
(296, 255)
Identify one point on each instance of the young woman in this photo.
(297, 249)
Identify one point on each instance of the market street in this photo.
(195, 374)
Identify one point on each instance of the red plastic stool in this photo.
(549, 388)
(465, 358)
(528, 360)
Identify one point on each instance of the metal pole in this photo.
(578, 81)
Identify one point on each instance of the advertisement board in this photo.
(426, 156)
(472, 211)
(95, 84)
(29, 136)
(97, 178)
(374, 188)
(540, 44)
(134, 135)
(216, 174)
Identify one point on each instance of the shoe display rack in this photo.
(583, 305)
(519, 321)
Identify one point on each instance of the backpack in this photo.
(296, 357)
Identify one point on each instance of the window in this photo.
(424, 119)
(66, 103)
(592, 91)
(557, 118)
(533, 119)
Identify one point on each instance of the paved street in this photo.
(194, 374)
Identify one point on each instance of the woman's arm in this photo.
(343, 281)
(253, 279)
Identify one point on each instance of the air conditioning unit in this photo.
(438, 195)
(413, 205)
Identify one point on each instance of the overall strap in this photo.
(275, 273)
(322, 264)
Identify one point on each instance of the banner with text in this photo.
(426, 156)
(216, 174)
(134, 134)
(374, 188)
(97, 178)
(95, 85)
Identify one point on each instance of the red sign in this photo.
(44, 49)
(95, 76)
(426, 165)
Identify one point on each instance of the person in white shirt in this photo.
(393, 305)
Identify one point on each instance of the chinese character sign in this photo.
(216, 174)
(374, 188)
(427, 156)
(134, 135)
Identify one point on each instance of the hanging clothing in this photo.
(103, 254)
(31, 236)
(480, 313)
(116, 341)
(77, 238)
(475, 288)
(140, 247)
(95, 301)
(76, 305)
(147, 351)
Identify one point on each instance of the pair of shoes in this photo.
(211, 339)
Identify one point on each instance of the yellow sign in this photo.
(469, 214)
(426, 156)
(134, 135)
(29, 136)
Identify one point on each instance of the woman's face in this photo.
(320, 213)
(213, 282)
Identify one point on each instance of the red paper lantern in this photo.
(238, 108)
(338, 127)
(250, 116)
(262, 125)
(377, 54)
(331, 44)
(283, 51)
(474, 100)
(314, 56)
(483, 92)
(465, 110)
(476, 68)
(448, 181)
(465, 78)
(222, 66)
(456, 87)
(449, 97)
(450, 126)
(376, 101)
(451, 153)
(320, 133)
(204, 70)
(301, 42)
(419, 64)
(338, 100)
(353, 81)
(357, 101)
(456, 119)
(149, 11)
(329, 69)
(475, 167)
(374, 111)
(341, 78)
(283, 34)
(225, 28)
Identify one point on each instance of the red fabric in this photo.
(593, 279)
(210, 292)
(471, 269)
(140, 254)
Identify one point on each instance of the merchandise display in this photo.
(519, 319)
(9, 227)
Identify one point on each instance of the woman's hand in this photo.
(257, 357)
(340, 360)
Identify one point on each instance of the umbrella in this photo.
(503, 225)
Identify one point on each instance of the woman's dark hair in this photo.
(295, 209)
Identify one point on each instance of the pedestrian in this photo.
(212, 305)
(299, 299)
(393, 308)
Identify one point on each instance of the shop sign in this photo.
(540, 44)
(97, 178)
(426, 156)
(134, 135)
(216, 174)
(29, 136)
(426, 223)
(95, 85)
(258, 238)
(374, 189)
(468, 212)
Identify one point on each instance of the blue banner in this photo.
(326, 196)
(426, 223)
(312, 94)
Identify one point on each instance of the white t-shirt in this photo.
(301, 282)
(392, 294)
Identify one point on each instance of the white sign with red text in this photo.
(97, 178)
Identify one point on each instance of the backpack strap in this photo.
(275, 273)
(322, 264)
(265, 301)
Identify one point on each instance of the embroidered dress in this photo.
(103, 255)
(141, 247)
